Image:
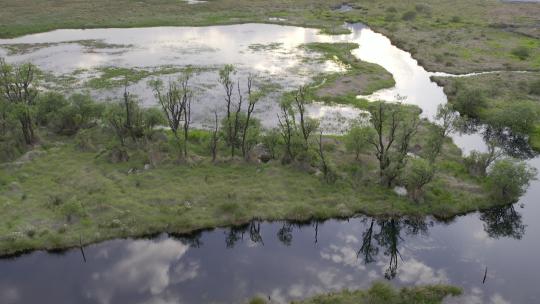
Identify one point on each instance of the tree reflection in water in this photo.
(381, 236)
(503, 222)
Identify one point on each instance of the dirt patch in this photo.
(351, 84)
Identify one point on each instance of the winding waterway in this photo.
(282, 261)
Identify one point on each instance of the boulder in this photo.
(260, 153)
(118, 155)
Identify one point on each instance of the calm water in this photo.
(282, 261)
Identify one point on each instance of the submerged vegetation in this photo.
(381, 293)
(94, 171)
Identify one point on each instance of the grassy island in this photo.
(381, 293)
(91, 171)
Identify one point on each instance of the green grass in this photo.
(359, 77)
(382, 293)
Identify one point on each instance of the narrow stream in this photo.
(282, 261)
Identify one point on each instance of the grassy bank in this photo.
(500, 100)
(359, 78)
(67, 191)
(451, 36)
(381, 293)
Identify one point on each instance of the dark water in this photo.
(287, 261)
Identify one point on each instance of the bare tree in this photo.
(225, 78)
(176, 104)
(307, 126)
(253, 98)
(327, 171)
(447, 119)
(17, 88)
(187, 97)
(215, 137)
(408, 128)
(385, 121)
(171, 103)
(287, 129)
(394, 127)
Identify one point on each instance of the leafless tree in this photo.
(176, 104)
(215, 137)
(187, 97)
(327, 171)
(171, 103)
(385, 121)
(307, 126)
(225, 78)
(253, 98)
(287, 129)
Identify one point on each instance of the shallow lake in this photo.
(282, 261)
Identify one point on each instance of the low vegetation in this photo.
(381, 293)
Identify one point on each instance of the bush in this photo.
(469, 102)
(455, 19)
(509, 179)
(68, 116)
(534, 88)
(520, 117)
(417, 174)
(356, 140)
(47, 107)
(408, 16)
(272, 140)
(521, 52)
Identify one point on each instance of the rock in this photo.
(155, 157)
(147, 167)
(416, 149)
(118, 155)
(401, 191)
(261, 153)
(31, 155)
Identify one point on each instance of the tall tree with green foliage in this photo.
(394, 127)
(18, 90)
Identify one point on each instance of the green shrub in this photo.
(47, 106)
(509, 179)
(408, 16)
(456, 19)
(469, 102)
(521, 52)
(520, 117)
(534, 88)
(80, 111)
